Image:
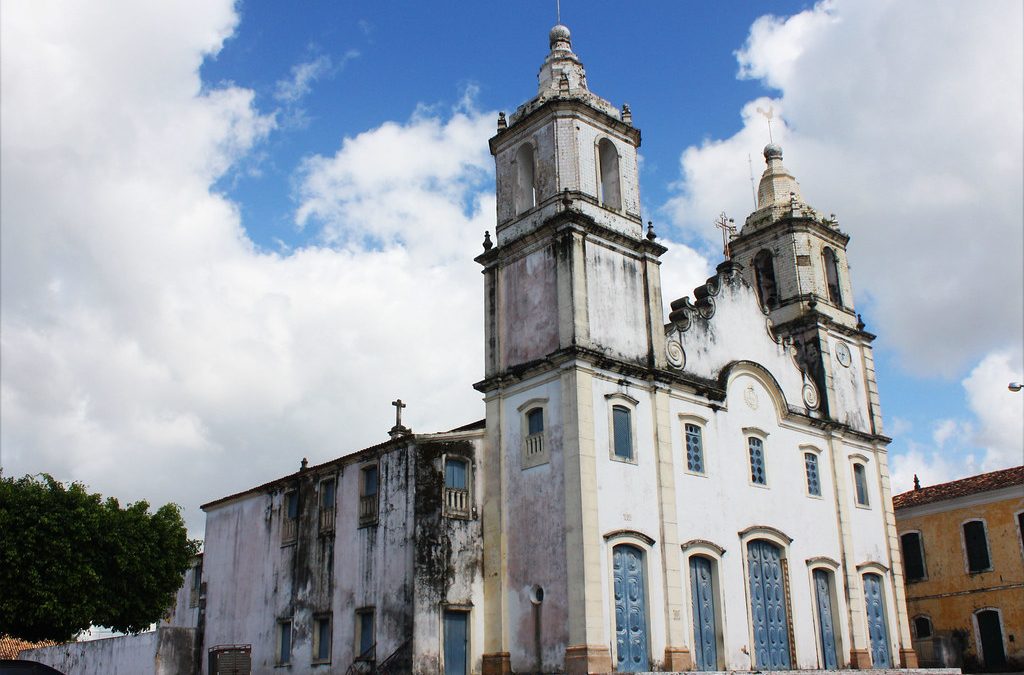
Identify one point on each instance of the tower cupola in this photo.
(778, 186)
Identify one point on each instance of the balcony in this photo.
(534, 445)
(289, 530)
(367, 510)
(327, 520)
(456, 503)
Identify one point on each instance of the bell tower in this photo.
(796, 260)
(573, 323)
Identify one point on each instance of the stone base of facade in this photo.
(498, 663)
(860, 659)
(678, 659)
(908, 658)
(584, 659)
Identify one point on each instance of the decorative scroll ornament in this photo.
(706, 307)
(810, 393)
(675, 354)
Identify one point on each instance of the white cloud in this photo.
(149, 349)
(1000, 412)
(904, 119)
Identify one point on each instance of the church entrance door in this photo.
(705, 634)
(630, 609)
(768, 606)
(878, 632)
(826, 631)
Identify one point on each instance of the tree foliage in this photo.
(70, 559)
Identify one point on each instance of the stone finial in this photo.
(917, 483)
(488, 244)
(304, 464)
(651, 236)
(860, 323)
(560, 38)
(627, 114)
(502, 122)
(566, 199)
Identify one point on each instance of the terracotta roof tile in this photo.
(960, 488)
(10, 647)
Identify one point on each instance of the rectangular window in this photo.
(860, 479)
(976, 543)
(534, 452)
(290, 522)
(365, 641)
(456, 488)
(694, 449)
(811, 467)
(757, 473)
(322, 639)
(368, 495)
(913, 556)
(284, 641)
(623, 432)
(327, 494)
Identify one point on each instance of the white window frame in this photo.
(713, 552)
(359, 612)
(762, 435)
(450, 509)
(963, 545)
(924, 561)
(527, 459)
(864, 462)
(702, 424)
(838, 611)
(816, 451)
(281, 622)
(630, 404)
(317, 620)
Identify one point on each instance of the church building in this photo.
(711, 494)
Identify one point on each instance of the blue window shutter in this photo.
(623, 432)
(455, 474)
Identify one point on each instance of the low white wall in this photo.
(166, 651)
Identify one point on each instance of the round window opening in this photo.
(537, 595)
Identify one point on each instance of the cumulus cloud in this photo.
(149, 348)
(883, 111)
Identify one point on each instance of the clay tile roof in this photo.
(960, 488)
(10, 647)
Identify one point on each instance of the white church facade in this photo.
(712, 494)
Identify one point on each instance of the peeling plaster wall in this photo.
(527, 297)
(535, 502)
(615, 302)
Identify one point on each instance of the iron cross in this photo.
(728, 228)
(398, 411)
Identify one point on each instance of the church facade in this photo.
(711, 494)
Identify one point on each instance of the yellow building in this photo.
(963, 556)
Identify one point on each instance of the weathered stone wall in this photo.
(165, 651)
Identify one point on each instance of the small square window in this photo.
(860, 480)
(811, 469)
(368, 495)
(622, 431)
(365, 639)
(755, 447)
(284, 641)
(694, 449)
(322, 639)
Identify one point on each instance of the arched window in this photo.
(608, 159)
(764, 271)
(832, 276)
(976, 546)
(534, 449)
(526, 186)
(860, 484)
(922, 627)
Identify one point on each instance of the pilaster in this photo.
(907, 653)
(495, 542)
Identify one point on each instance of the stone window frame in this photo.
(832, 263)
(280, 658)
(646, 544)
(606, 141)
(963, 545)
(621, 400)
(976, 630)
(520, 209)
(529, 455)
(931, 626)
(701, 423)
(370, 655)
(326, 514)
(862, 461)
(783, 541)
(924, 560)
(368, 516)
(761, 435)
(451, 508)
(805, 450)
(289, 523)
(318, 619)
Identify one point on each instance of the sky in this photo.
(232, 233)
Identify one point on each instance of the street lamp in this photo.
(1015, 386)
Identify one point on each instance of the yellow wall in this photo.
(949, 595)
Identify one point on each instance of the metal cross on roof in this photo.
(728, 228)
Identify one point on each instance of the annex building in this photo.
(710, 494)
(964, 552)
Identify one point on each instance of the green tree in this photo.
(70, 559)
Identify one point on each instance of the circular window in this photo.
(537, 595)
(843, 354)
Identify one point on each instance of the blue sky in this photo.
(232, 233)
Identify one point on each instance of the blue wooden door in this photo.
(705, 635)
(826, 631)
(768, 606)
(877, 630)
(456, 641)
(630, 612)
